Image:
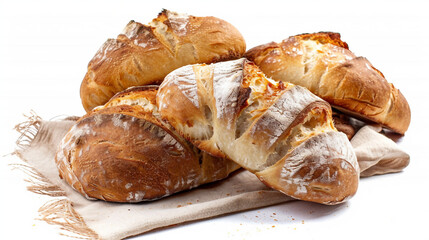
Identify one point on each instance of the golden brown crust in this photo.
(145, 54)
(230, 108)
(324, 38)
(322, 63)
(147, 92)
(124, 153)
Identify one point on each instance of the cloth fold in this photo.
(88, 219)
(376, 153)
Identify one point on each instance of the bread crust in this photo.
(327, 177)
(145, 54)
(123, 153)
(231, 109)
(323, 63)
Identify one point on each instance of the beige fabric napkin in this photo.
(376, 153)
(88, 219)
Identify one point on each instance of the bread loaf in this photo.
(281, 132)
(145, 54)
(123, 152)
(324, 64)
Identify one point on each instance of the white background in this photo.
(45, 47)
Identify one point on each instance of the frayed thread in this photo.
(60, 212)
(38, 183)
(28, 130)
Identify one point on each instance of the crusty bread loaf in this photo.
(323, 63)
(145, 54)
(281, 132)
(123, 152)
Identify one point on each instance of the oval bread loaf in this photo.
(324, 64)
(145, 54)
(281, 132)
(122, 152)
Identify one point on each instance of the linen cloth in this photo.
(90, 219)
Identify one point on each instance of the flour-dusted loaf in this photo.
(145, 54)
(324, 64)
(281, 132)
(123, 152)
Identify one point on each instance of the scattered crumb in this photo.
(275, 220)
(274, 213)
(189, 203)
(293, 219)
(179, 206)
(228, 194)
(273, 226)
(302, 222)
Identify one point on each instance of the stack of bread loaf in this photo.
(179, 102)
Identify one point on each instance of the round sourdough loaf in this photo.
(123, 152)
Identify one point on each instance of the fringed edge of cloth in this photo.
(59, 211)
